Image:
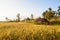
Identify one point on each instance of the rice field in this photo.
(28, 31)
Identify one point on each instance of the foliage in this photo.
(48, 14)
(58, 10)
(32, 17)
(18, 17)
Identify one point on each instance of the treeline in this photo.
(18, 19)
(52, 16)
(49, 16)
(15, 20)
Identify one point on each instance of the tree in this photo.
(58, 10)
(49, 9)
(7, 19)
(55, 13)
(32, 16)
(44, 13)
(18, 17)
(48, 14)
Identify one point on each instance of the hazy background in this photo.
(9, 8)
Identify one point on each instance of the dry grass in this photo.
(28, 31)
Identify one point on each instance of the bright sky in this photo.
(9, 8)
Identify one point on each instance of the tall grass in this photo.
(26, 31)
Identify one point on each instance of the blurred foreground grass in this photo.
(28, 31)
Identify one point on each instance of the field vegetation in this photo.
(28, 31)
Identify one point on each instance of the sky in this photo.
(10, 8)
